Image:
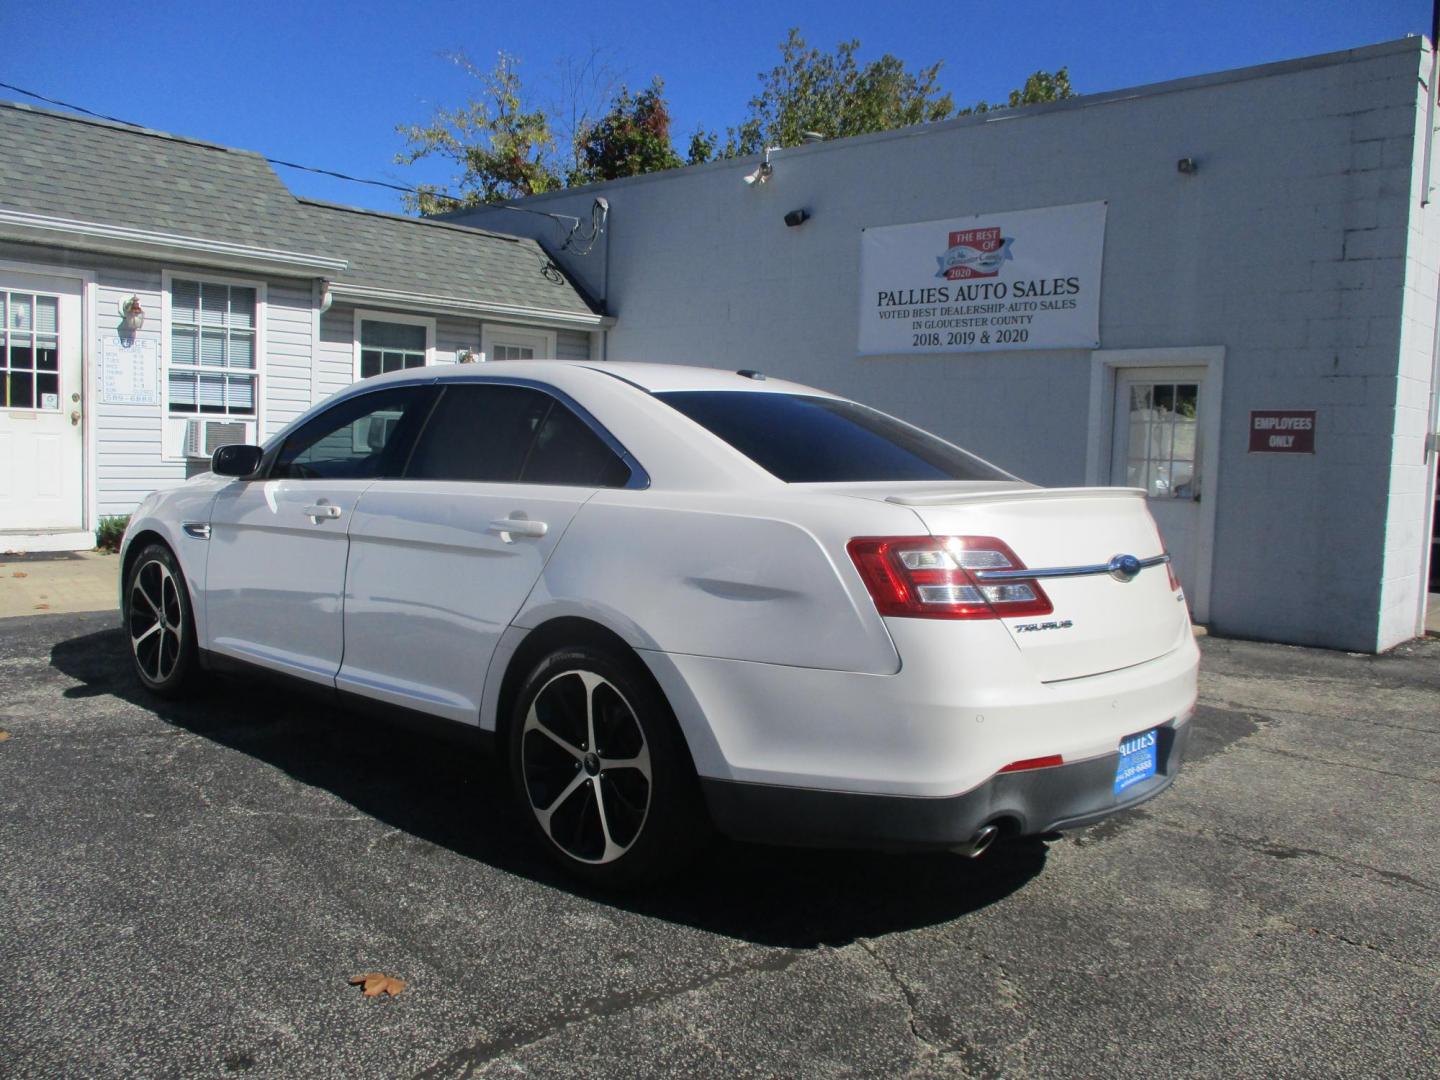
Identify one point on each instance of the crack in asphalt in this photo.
(1285, 851)
(463, 1063)
(973, 1061)
(1341, 764)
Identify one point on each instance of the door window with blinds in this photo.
(392, 346)
(214, 352)
(29, 351)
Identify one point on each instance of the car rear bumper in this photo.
(1020, 803)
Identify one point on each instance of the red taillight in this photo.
(931, 577)
(1034, 763)
(1170, 573)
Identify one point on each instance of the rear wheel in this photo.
(600, 771)
(159, 623)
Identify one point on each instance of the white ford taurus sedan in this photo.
(679, 598)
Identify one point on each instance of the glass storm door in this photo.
(1156, 446)
(42, 484)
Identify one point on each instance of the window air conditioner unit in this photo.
(204, 437)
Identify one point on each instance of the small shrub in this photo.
(111, 531)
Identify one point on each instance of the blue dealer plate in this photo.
(1137, 760)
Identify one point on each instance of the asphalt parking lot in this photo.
(186, 890)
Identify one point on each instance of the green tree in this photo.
(834, 95)
(633, 137)
(504, 150)
(1039, 88)
(507, 151)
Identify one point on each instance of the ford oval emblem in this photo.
(1124, 567)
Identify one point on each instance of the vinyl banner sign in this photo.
(1029, 279)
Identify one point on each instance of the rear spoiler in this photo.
(946, 498)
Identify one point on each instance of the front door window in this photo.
(30, 360)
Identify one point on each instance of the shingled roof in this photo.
(92, 170)
(129, 180)
(434, 258)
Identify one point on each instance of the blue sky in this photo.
(326, 84)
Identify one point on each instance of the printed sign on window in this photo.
(1029, 279)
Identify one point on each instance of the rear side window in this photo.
(811, 440)
(479, 433)
(509, 434)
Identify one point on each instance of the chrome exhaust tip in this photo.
(976, 845)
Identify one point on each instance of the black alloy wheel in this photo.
(158, 622)
(601, 771)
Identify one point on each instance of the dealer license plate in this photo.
(1137, 759)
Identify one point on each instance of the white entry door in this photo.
(1156, 446)
(42, 481)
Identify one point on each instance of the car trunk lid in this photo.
(1108, 613)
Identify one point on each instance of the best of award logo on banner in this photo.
(1029, 279)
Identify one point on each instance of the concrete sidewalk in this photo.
(58, 581)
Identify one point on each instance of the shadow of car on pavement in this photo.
(418, 783)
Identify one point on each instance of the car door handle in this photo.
(321, 511)
(511, 527)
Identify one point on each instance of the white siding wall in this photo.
(128, 454)
(128, 461)
(572, 345)
(335, 357)
(453, 334)
(289, 347)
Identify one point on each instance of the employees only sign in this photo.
(1029, 279)
(1282, 431)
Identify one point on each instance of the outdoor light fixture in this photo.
(1187, 166)
(134, 314)
(797, 217)
(762, 172)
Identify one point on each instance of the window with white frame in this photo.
(500, 342)
(214, 354)
(391, 346)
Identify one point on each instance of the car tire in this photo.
(158, 622)
(600, 770)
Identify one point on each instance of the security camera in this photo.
(759, 176)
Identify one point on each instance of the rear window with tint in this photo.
(809, 440)
(505, 434)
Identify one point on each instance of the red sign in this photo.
(1282, 432)
(974, 253)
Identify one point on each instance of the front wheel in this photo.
(158, 622)
(600, 770)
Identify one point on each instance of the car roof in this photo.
(652, 378)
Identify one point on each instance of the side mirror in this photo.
(237, 459)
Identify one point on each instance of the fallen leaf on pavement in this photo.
(377, 983)
(19, 573)
(4, 734)
(42, 607)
